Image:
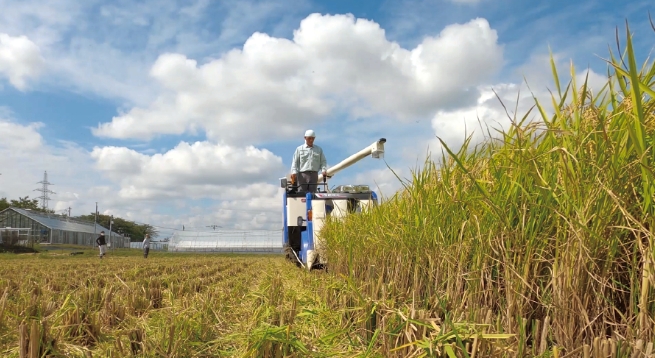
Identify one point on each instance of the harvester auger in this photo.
(305, 213)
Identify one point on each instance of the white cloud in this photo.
(333, 63)
(17, 138)
(20, 60)
(483, 119)
(147, 188)
(260, 209)
(197, 170)
(510, 102)
(25, 156)
(105, 49)
(249, 207)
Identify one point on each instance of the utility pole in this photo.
(45, 191)
(111, 221)
(95, 220)
(69, 211)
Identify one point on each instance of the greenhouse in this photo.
(226, 240)
(18, 226)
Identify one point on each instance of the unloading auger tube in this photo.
(305, 213)
(375, 150)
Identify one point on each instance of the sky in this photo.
(178, 113)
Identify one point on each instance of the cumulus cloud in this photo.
(487, 116)
(25, 156)
(20, 60)
(248, 207)
(260, 208)
(200, 169)
(158, 189)
(501, 104)
(337, 62)
(17, 138)
(106, 48)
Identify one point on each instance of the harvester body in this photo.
(305, 213)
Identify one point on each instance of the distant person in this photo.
(146, 246)
(102, 244)
(307, 160)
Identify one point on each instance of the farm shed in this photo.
(54, 229)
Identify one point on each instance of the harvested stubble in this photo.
(181, 306)
(174, 306)
(545, 233)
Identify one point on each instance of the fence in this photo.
(182, 241)
(226, 241)
(154, 245)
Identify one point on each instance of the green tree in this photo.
(4, 204)
(27, 203)
(135, 231)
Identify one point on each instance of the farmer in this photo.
(102, 244)
(307, 160)
(146, 246)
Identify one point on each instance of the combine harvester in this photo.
(305, 213)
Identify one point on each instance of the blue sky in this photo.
(92, 91)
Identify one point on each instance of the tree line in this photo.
(135, 231)
(23, 203)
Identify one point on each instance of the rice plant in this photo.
(544, 235)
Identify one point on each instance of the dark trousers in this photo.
(308, 181)
(146, 250)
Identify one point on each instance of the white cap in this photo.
(310, 133)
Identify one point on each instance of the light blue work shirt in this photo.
(307, 159)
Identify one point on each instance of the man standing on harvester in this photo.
(308, 159)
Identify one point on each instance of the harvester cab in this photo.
(305, 213)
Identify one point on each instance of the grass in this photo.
(543, 232)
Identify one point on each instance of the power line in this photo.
(45, 191)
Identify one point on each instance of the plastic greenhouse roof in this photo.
(63, 223)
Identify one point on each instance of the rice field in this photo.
(164, 306)
(543, 232)
(536, 243)
(187, 305)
